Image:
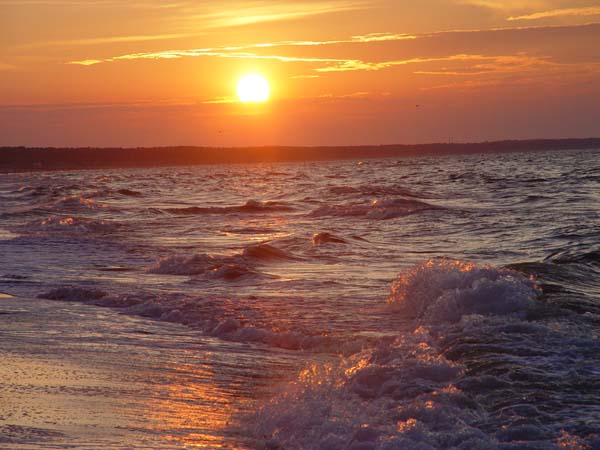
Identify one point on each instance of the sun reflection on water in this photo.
(196, 406)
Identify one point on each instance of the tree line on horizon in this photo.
(53, 158)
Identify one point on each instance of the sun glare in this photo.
(253, 88)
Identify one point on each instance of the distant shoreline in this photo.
(25, 159)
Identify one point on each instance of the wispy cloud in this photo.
(326, 64)
(300, 77)
(109, 40)
(85, 62)
(484, 64)
(505, 5)
(587, 11)
(269, 12)
(513, 70)
(193, 16)
(468, 57)
(238, 51)
(353, 64)
(221, 100)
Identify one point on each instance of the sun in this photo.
(253, 88)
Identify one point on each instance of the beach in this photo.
(420, 302)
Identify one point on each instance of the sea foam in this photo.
(446, 290)
(458, 381)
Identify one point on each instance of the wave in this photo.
(476, 372)
(74, 294)
(76, 203)
(58, 199)
(248, 230)
(68, 225)
(591, 257)
(30, 191)
(107, 192)
(251, 206)
(569, 280)
(228, 267)
(267, 252)
(382, 209)
(374, 190)
(324, 238)
(445, 290)
(238, 321)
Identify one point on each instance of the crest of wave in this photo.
(403, 393)
(399, 395)
(444, 290)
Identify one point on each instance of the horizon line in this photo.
(290, 146)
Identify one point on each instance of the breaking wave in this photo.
(475, 373)
(227, 267)
(445, 291)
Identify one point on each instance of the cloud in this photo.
(235, 51)
(505, 5)
(85, 62)
(588, 11)
(198, 16)
(337, 64)
(220, 100)
(352, 65)
(330, 64)
(503, 54)
(109, 40)
(244, 15)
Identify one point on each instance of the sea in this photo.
(413, 303)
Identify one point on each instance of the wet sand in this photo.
(77, 376)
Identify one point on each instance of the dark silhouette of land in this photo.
(21, 159)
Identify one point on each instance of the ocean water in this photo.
(410, 303)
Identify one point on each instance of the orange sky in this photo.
(164, 72)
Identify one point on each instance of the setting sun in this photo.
(253, 88)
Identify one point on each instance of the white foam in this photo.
(471, 349)
(398, 395)
(444, 290)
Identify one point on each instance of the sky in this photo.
(341, 72)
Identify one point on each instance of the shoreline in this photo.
(79, 376)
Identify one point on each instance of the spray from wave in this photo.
(469, 375)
